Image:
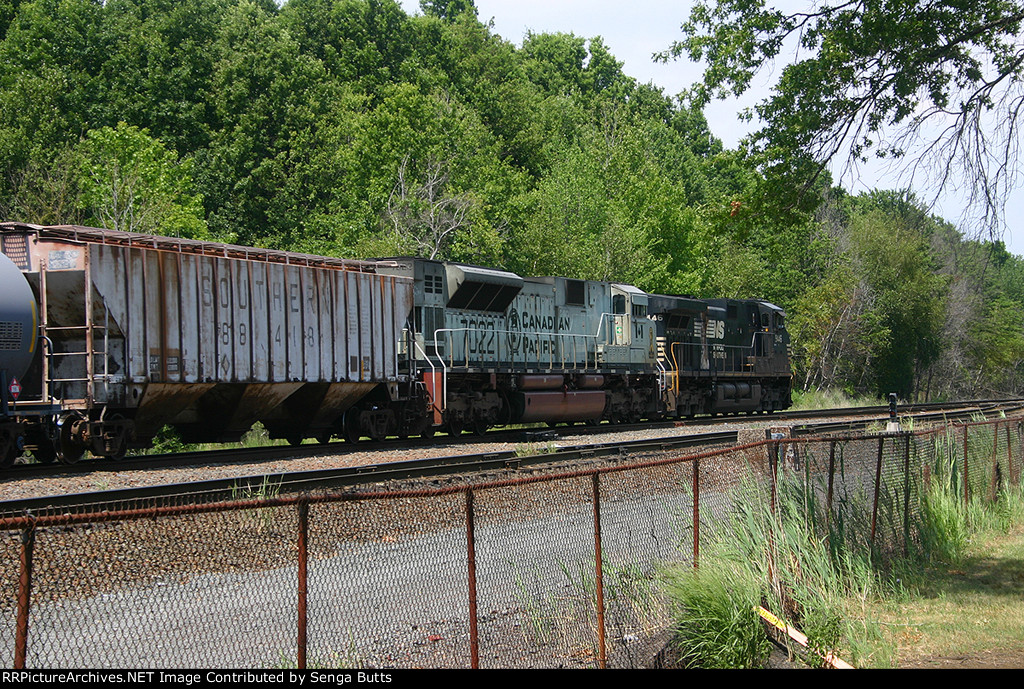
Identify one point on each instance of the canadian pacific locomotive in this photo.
(106, 337)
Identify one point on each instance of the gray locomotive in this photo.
(105, 337)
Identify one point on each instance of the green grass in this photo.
(831, 399)
(167, 441)
(844, 594)
(971, 603)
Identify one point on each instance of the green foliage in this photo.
(132, 183)
(716, 626)
(346, 127)
(897, 73)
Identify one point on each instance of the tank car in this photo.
(144, 331)
(18, 323)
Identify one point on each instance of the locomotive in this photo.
(106, 337)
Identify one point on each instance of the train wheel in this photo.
(45, 453)
(428, 432)
(351, 431)
(455, 427)
(120, 446)
(295, 439)
(480, 427)
(68, 451)
(324, 438)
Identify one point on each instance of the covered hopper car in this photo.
(106, 337)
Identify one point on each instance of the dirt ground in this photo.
(999, 658)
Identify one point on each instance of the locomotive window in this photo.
(779, 322)
(639, 310)
(575, 292)
(764, 320)
(619, 304)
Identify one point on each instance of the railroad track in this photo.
(862, 417)
(248, 487)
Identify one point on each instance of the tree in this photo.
(938, 81)
(448, 10)
(424, 216)
(132, 183)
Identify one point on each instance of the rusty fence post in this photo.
(996, 479)
(474, 633)
(599, 573)
(906, 495)
(696, 512)
(831, 486)
(878, 489)
(28, 542)
(967, 486)
(1009, 456)
(773, 462)
(303, 546)
(774, 468)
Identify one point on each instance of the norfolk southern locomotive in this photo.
(106, 337)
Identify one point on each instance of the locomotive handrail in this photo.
(557, 338)
(433, 371)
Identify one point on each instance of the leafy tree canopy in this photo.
(938, 81)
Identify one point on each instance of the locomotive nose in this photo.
(18, 320)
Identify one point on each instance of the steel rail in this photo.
(303, 481)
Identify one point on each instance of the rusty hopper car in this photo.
(137, 331)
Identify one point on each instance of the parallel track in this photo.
(297, 482)
(867, 415)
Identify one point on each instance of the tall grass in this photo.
(823, 579)
(832, 399)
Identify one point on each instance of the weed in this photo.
(533, 449)
(261, 517)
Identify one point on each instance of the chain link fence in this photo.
(549, 570)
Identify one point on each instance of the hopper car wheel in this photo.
(324, 438)
(68, 451)
(120, 450)
(351, 431)
(427, 432)
(455, 427)
(480, 427)
(295, 439)
(45, 453)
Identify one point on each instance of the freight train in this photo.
(106, 337)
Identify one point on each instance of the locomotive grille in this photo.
(16, 249)
(10, 336)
